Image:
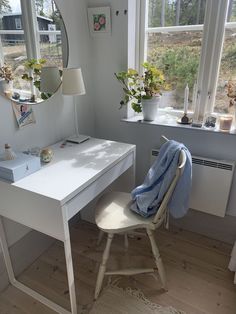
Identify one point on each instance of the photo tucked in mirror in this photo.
(33, 37)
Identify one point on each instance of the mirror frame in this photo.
(26, 8)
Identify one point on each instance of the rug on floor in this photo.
(116, 300)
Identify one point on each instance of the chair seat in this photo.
(113, 214)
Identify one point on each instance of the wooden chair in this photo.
(113, 216)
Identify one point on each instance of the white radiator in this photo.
(211, 184)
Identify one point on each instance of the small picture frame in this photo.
(24, 114)
(99, 20)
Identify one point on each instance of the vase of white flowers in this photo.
(6, 79)
(143, 91)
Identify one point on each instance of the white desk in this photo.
(47, 199)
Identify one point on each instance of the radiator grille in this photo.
(211, 163)
(204, 162)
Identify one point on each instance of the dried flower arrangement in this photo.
(231, 93)
(6, 73)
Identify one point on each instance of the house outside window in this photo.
(194, 43)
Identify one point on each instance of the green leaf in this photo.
(127, 91)
(136, 107)
(45, 96)
(147, 97)
(37, 84)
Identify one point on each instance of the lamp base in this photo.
(78, 139)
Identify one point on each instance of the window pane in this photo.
(178, 55)
(51, 51)
(176, 51)
(231, 17)
(51, 44)
(227, 73)
(13, 44)
(175, 12)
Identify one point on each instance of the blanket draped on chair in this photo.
(148, 196)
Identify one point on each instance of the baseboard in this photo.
(222, 229)
(23, 253)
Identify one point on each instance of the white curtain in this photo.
(232, 263)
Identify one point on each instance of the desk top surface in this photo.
(74, 167)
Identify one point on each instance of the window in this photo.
(184, 38)
(18, 23)
(13, 45)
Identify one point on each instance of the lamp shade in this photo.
(72, 82)
(50, 79)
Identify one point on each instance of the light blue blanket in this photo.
(148, 196)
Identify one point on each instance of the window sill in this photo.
(171, 121)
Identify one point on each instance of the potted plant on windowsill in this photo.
(6, 79)
(142, 91)
(33, 68)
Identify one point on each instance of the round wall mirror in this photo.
(33, 49)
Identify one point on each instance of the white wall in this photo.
(74, 13)
(109, 56)
(55, 117)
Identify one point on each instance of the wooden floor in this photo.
(196, 267)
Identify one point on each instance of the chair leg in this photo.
(157, 258)
(100, 236)
(102, 267)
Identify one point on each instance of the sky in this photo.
(15, 5)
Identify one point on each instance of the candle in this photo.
(186, 93)
(197, 107)
(194, 97)
(225, 123)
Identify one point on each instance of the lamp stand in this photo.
(77, 138)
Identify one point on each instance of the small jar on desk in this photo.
(225, 122)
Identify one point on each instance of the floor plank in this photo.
(198, 279)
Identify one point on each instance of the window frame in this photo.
(18, 23)
(215, 23)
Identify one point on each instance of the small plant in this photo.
(33, 74)
(6, 73)
(137, 87)
(34, 67)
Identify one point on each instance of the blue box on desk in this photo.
(20, 167)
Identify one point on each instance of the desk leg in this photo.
(69, 263)
(17, 284)
(6, 254)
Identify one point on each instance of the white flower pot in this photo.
(150, 107)
(5, 86)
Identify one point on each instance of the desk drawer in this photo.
(100, 184)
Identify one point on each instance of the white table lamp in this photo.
(50, 79)
(73, 84)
